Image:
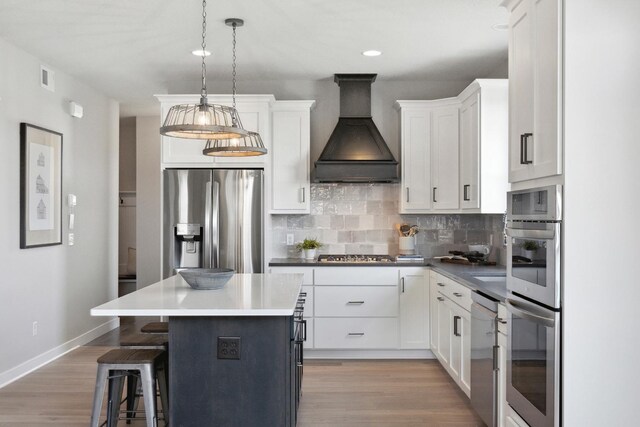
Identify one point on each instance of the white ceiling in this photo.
(131, 49)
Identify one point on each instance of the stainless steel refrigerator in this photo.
(212, 218)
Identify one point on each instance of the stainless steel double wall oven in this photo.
(534, 256)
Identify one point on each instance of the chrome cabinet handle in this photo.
(356, 334)
(441, 284)
(355, 302)
(501, 320)
(402, 279)
(458, 294)
(434, 195)
(304, 194)
(465, 192)
(440, 298)
(407, 194)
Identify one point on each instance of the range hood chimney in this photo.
(356, 151)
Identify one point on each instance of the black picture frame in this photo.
(40, 186)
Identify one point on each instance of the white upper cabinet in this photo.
(290, 157)
(415, 159)
(254, 114)
(535, 88)
(444, 160)
(429, 155)
(454, 151)
(483, 146)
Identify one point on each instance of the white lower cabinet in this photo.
(502, 379)
(365, 308)
(356, 333)
(452, 329)
(414, 308)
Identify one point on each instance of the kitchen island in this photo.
(235, 353)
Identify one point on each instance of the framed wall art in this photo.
(40, 187)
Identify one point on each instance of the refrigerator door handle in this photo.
(215, 226)
(207, 226)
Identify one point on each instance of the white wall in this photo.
(602, 180)
(56, 285)
(148, 200)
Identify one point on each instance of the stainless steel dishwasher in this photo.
(484, 357)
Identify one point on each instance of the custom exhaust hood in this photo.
(356, 151)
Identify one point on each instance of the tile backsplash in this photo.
(361, 218)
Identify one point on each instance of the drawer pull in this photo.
(441, 284)
(356, 334)
(458, 294)
(501, 320)
(355, 302)
(440, 298)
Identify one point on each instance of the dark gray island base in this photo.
(258, 389)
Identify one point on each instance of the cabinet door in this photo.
(444, 160)
(290, 156)
(520, 88)
(433, 313)
(415, 195)
(182, 150)
(414, 309)
(460, 362)
(254, 117)
(445, 331)
(470, 152)
(545, 146)
(502, 379)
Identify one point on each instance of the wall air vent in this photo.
(47, 78)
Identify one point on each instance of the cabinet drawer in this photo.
(371, 276)
(502, 318)
(360, 333)
(308, 303)
(356, 301)
(455, 291)
(307, 272)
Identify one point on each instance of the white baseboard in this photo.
(31, 365)
(367, 354)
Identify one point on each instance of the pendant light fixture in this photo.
(244, 146)
(203, 120)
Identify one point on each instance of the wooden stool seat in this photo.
(128, 356)
(155, 328)
(145, 340)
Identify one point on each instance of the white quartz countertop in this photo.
(243, 295)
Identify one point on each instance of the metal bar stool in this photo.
(146, 341)
(114, 366)
(155, 328)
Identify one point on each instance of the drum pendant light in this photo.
(248, 145)
(203, 120)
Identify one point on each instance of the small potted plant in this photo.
(530, 246)
(309, 246)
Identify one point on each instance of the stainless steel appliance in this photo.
(355, 258)
(534, 245)
(484, 357)
(212, 218)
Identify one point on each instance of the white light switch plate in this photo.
(71, 239)
(289, 239)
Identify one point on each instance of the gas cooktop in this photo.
(355, 258)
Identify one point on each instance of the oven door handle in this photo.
(514, 308)
(531, 234)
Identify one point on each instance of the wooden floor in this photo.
(335, 393)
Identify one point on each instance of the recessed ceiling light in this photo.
(200, 52)
(500, 27)
(372, 53)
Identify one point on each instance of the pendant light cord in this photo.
(234, 64)
(203, 92)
